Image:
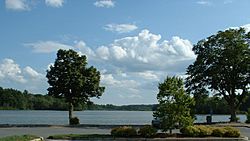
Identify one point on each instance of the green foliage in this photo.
(204, 131)
(121, 108)
(231, 132)
(218, 132)
(19, 138)
(248, 116)
(74, 121)
(147, 131)
(13, 99)
(174, 105)
(190, 131)
(71, 79)
(125, 131)
(222, 65)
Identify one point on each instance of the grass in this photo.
(19, 138)
(102, 136)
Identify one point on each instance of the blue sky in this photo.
(135, 44)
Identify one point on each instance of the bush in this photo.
(124, 131)
(204, 131)
(218, 132)
(74, 121)
(231, 132)
(190, 131)
(147, 131)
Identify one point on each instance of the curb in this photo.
(160, 139)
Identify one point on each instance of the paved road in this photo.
(46, 131)
(245, 131)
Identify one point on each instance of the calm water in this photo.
(89, 117)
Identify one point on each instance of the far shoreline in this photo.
(109, 126)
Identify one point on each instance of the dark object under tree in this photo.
(223, 66)
(70, 78)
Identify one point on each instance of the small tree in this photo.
(174, 105)
(70, 78)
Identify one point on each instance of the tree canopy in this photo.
(70, 78)
(223, 66)
(174, 104)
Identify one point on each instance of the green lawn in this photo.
(19, 138)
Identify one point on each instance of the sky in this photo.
(135, 44)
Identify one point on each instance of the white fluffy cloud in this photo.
(54, 3)
(11, 74)
(10, 71)
(120, 28)
(105, 3)
(18, 5)
(32, 73)
(145, 52)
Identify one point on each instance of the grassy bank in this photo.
(19, 138)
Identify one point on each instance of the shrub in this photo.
(218, 132)
(204, 131)
(124, 131)
(231, 132)
(147, 131)
(74, 121)
(190, 131)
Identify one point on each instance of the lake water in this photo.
(90, 117)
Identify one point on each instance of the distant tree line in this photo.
(11, 99)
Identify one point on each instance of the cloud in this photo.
(145, 52)
(47, 46)
(105, 3)
(10, 71)
(149, 75)
(246, 27)
(18, 5)
(32, 73)
(204, 2)
(120, 28)
(11, 74)
(54, 3)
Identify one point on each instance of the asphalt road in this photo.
(245, 131)
(46, 131)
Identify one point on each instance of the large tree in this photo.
(174, 104)
(70, 78)
(222, 66)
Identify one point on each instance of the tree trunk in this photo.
(233, 117)
(71, 108)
